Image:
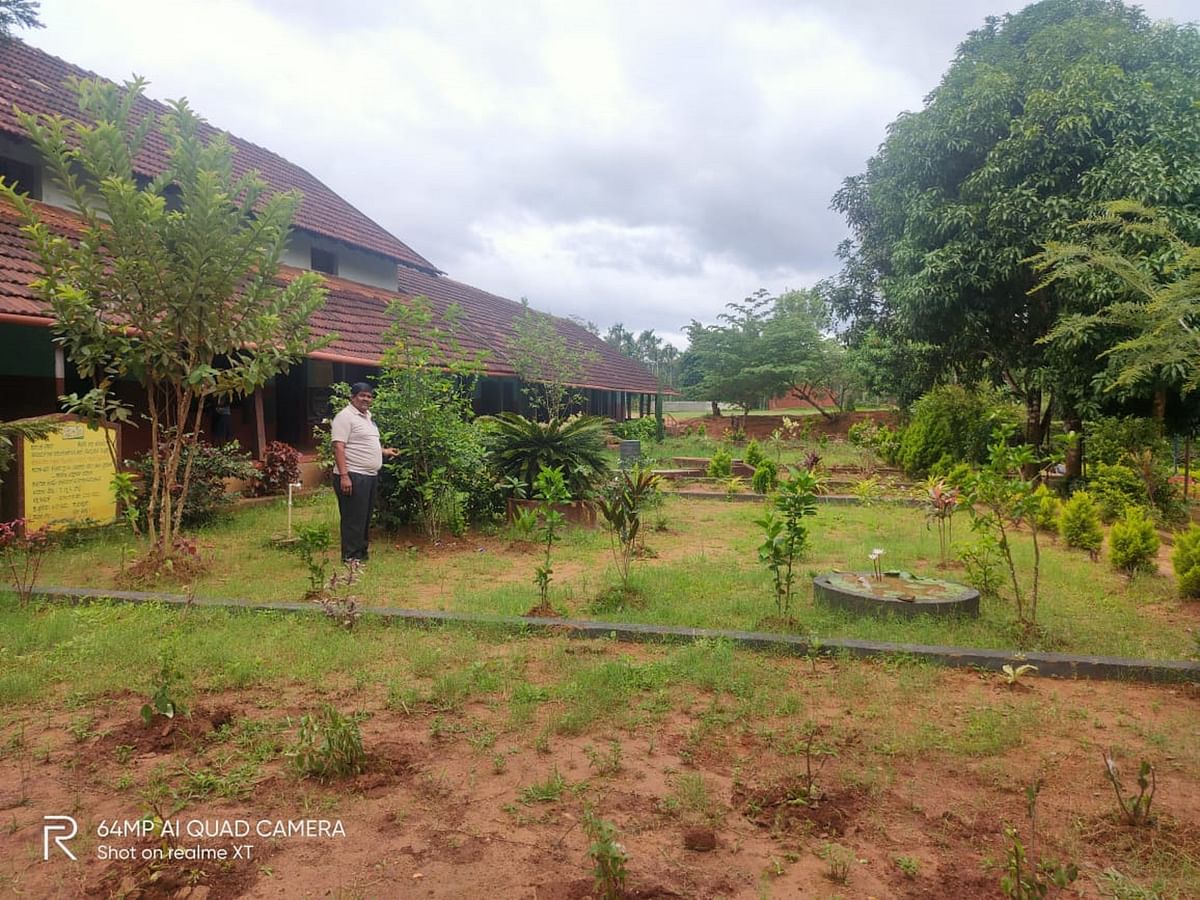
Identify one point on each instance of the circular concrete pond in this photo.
(896, 592)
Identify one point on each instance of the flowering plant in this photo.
(874, 556)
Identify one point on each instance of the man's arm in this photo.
(339, 456)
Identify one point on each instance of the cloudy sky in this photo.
(643, 162)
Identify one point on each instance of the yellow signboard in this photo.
(67, 477)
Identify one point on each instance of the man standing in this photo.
(358, 456)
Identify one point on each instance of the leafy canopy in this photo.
(763, 347)
(173, 282)
(1044, 115)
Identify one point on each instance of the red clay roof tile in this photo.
(35, 81)
(357, 313)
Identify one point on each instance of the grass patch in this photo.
(705, 574)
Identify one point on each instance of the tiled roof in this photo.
(18, 264)
(357, 313)
(488, 322)
(35, 82)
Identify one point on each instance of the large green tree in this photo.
(1042, 117)
(761, 348)
(171, 282)
(730, 360)
(1152, 325)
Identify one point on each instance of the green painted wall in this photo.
(26, 351)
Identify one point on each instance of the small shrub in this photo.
(887, 444)
(1133, 542)
(868, 491)
(1115, 489)
(909, 865)
(621, 506)
(999, 499)
(1135, 810)
(211, 466)
(329, 745)
(607, 855)
(337, 602)
(1079, 523)
(524, 523)
(1111, 438)
(786, 535)
(313, 543)
(22, 551)
(644, 429)
(766, 476)
(753, 455)
(1185, 559)
(953, 424)
(982, 562)
(1026, 876)
(279, 467)
(861, 434)
(721, 464)
(733, 485)
(1049, 509)
(550, 488)
(165, 684)
(838, 859)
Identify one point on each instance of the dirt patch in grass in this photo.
(163, 735)
(924, 765)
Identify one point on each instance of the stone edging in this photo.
(830, 499)
(1115, 668)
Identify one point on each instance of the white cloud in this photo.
(614, 159)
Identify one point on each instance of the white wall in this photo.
(353, 265)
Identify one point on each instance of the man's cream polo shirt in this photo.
(364, 453)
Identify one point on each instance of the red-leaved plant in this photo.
(279, 467)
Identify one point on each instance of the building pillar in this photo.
(260, 426)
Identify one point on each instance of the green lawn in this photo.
(706, 574)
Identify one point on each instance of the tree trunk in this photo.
(803, 394)
(1033, 417)
(716, 409)
(1187, 470)
(1073, 463)
(1033, 428)
(1160, 406)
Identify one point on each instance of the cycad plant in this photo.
(522, 447)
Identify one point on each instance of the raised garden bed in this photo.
(900, 593)
(577, 512)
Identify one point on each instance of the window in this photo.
(21, 175)
(324, 261)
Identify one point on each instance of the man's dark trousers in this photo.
(355, 512)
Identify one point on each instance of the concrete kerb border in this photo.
(1109, 668)
(828, 499)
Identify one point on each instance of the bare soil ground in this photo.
(706, 806)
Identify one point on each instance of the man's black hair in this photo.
(361, 387)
